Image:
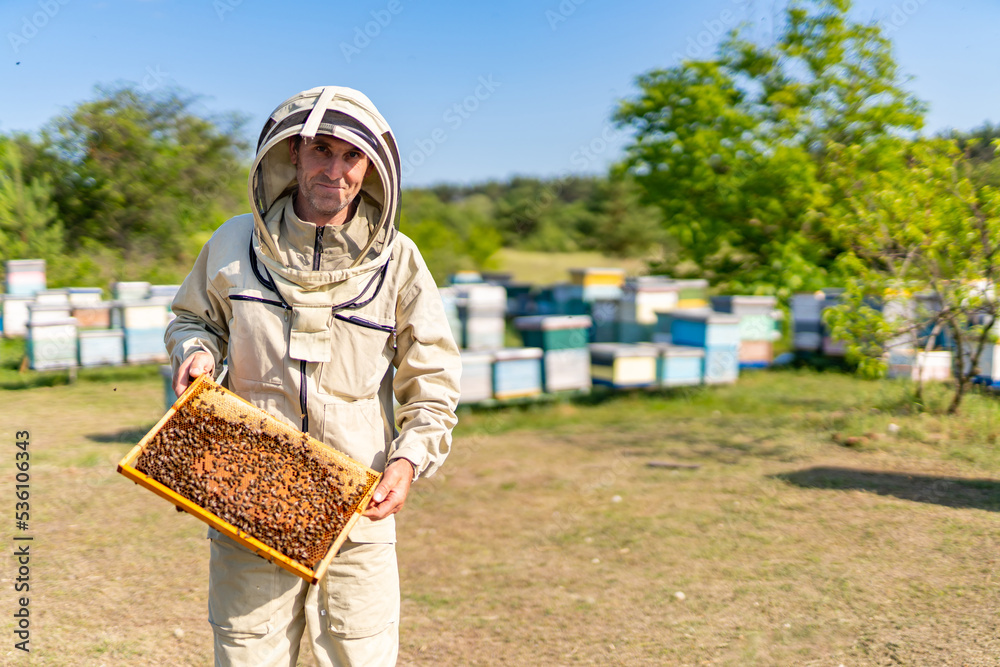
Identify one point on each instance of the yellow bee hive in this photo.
(282, 494)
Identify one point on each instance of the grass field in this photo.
(826, 524)
(543, 268)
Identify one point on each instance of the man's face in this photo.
(329, 172)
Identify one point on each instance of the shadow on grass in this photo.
(958, 492)
(126, 435)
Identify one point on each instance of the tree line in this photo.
(130, 184)
(768, 168)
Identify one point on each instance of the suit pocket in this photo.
(361, 356)
(360, 591)
(257, 347)
(242, 590)
(356, 429)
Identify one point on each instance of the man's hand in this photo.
(390, 494)
(196, 365)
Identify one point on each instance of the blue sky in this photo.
(474, 91)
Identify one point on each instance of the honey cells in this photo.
(270, 483)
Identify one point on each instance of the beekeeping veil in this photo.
(314, 296)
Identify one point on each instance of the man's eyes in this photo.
(350, 155)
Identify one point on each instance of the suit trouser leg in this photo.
(259, 611)
(354, 611)
(255, 608)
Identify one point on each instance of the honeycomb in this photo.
(276, 484)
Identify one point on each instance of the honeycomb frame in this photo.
(236, 498)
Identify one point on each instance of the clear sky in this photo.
(473, 90)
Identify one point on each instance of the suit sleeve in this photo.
(428, 369)
(202, 316)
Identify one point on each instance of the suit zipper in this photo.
(303, 396)
(318, 248)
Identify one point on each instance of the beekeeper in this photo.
(323, 310)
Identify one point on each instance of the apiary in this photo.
(679, 365)
(590, 284)
(623, 366)
(926, 366)
(25, 277)
(566, 370)
(646, 296)
(517, 372)
(987, 369)
(481, 309)
(84, 296)
(275, 490)
(605, 314)
(449, 299)
(93, 315)
(554, 332)
(572, 299)
(130, 291)
(144, 323)
(705, 328)
(722, 364)
(477, 377)
(759, 317)
(101, 347)
(163, 291)
(43, 313)
(692, 293)
(15, 315)
(52, 344)
(756, 353)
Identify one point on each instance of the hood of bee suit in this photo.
(348, 115)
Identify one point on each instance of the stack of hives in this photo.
(641, 300)
(809, 334)
(449, 300)
(563, 340)
(679, 365)
(623, 366)
(758, 327)
(481, 309)
(143, 323)
(717, 333)
(477, 376)
(517, 372)
(51, 331)
(275, 490)
(24, 278)
(922, 365)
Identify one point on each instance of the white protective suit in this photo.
(312, 322)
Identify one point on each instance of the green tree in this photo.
(921, 229)
(620, 223)
(451, 237)
(734, 150)
(28, 225)
(980, 149)
(142, 172)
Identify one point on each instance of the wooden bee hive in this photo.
(277, 491)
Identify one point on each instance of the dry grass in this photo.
(547, 540)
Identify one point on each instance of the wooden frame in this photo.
(127, 468)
